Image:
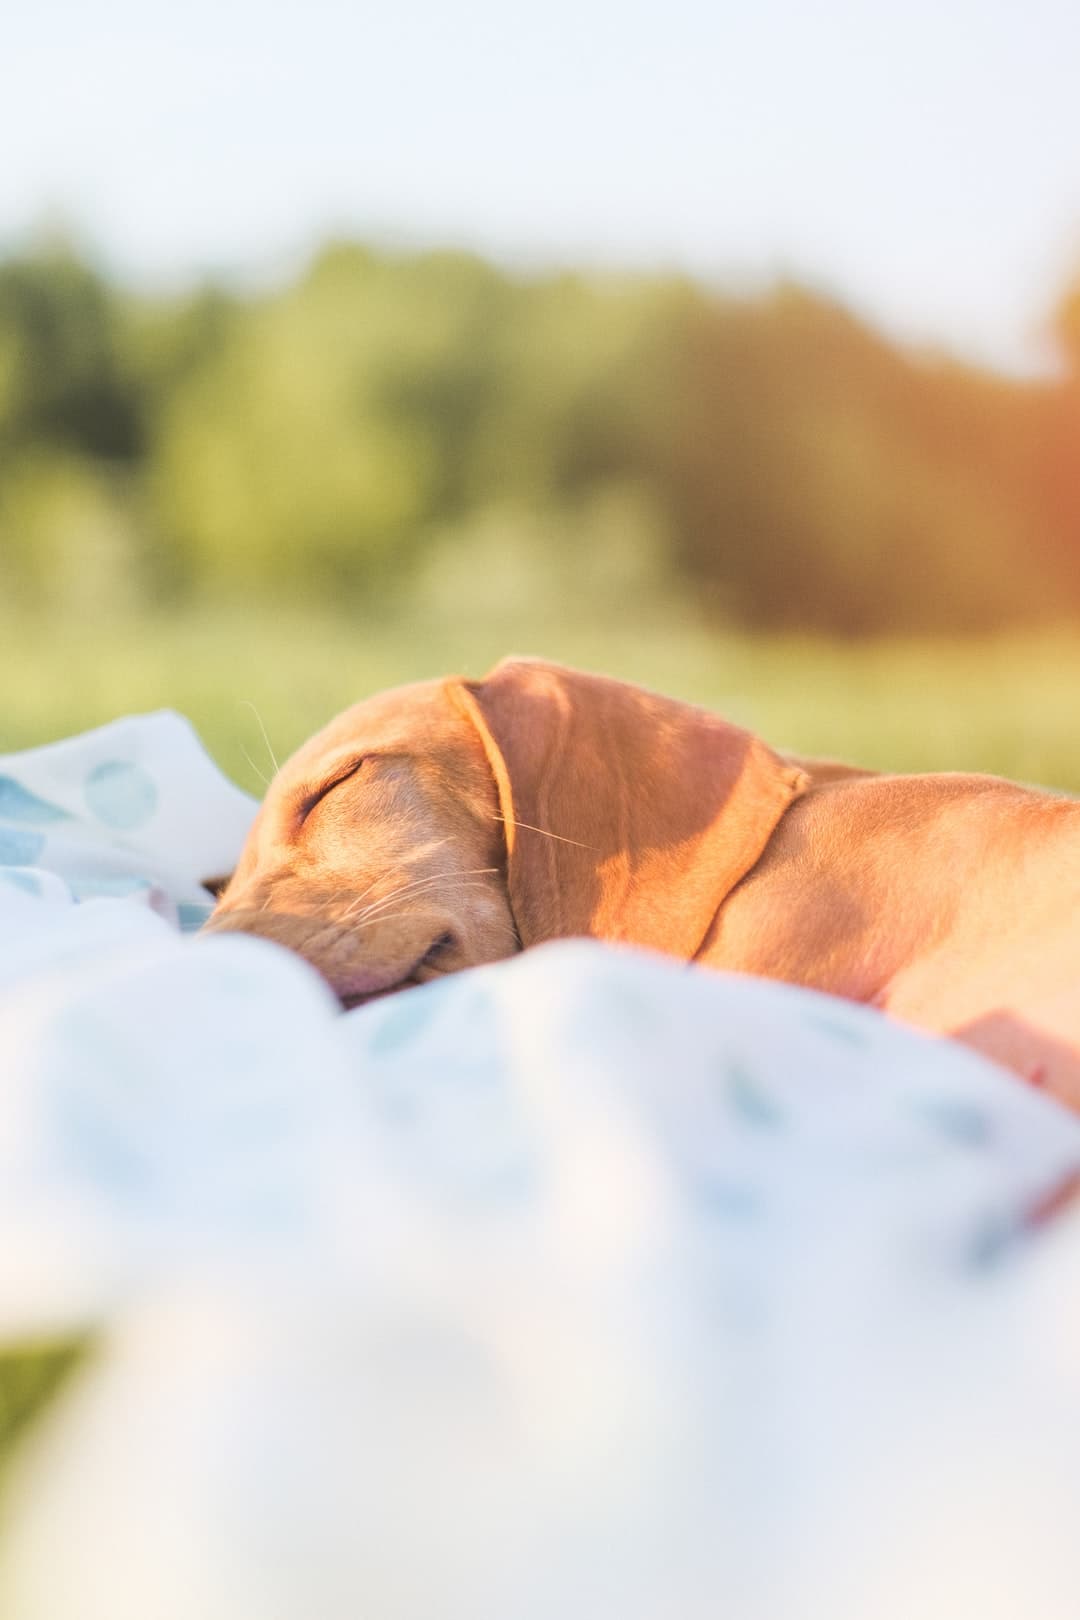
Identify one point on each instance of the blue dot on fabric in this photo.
(728, 1200)
(19, 804)
(957, 1120)
(410, 1015)
(27, 881)
(192, 916)
(121, 794)
(19, 847)
(748, 1100)
(838, 1028)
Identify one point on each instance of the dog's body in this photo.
(452, 823)
(950, 901)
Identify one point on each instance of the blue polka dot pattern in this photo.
(192, 916)
(19, 804)
(730, 1200)
(748, 1099)
(121, 794)
(27, 881)
(957, 1119)
(19, 846)
(839, 1027)
(410, 1014)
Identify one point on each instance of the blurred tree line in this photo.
(429, 429)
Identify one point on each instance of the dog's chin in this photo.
(369, 983)
(360, 998)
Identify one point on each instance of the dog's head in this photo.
(450, 823)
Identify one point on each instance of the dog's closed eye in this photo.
(345, 774)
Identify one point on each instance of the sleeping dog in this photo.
(455, 822)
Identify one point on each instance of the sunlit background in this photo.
(733, 348)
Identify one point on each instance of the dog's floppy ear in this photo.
(628, 816)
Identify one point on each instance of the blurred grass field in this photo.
(1007, 705)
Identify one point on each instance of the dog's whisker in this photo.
(265, 780)
(273, 757)
(376, 914)
(350, 909)
(544, 833)
(419, 885)
(383, 913)
(392, 916)
(356, 901)
(375, 911)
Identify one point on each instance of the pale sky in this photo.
(921, 160)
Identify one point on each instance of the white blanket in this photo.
(582, 1285)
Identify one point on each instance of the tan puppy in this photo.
(451, 823)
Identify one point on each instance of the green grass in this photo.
(1009, 705)
(30, 1376)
